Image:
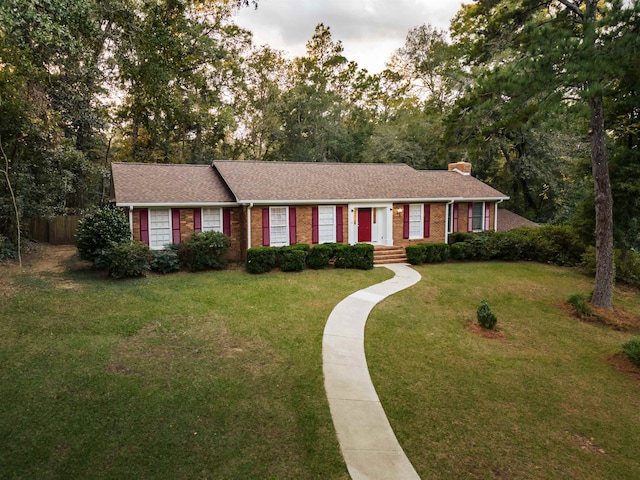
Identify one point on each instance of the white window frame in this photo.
(474, 217)
(207, 224)
(329, 233)
(275, 239)
(156, 230)
(416, 221)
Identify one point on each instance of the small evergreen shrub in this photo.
(579, 303)
(205, 251)
(98, 230)
(293, 258)
(358, 256)
(485, 316)
(435, 252)
(261, 259)
(459, 251)
(165, 261)
(126, 259)
(320, 255)
(631, 349)
(415, 254)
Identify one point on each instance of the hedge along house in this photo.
(282, 203)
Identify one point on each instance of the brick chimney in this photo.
(461, 167)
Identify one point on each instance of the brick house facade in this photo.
(281, 203)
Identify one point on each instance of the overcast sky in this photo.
(370, 30)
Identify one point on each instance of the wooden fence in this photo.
(56, 231)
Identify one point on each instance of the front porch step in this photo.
(386, 255)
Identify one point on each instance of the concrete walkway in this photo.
(369, 446)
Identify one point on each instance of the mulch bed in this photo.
(476, 329)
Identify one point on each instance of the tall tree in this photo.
(537, 54)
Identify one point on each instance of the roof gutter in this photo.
(334, 201)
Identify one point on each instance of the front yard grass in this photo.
(540, 403)
(218, 375)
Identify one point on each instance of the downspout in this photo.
(131, 220)
(446, 222)
(249, 225)
(495, 220)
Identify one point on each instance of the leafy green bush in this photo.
(7, 250)
(293, 258)
(631, 349)
(627, 267)
(126, 259)
(165, 261)
(205, 251)
(579, 303)
(459, 251)
(457, 237)
(415, 254)
(261, 259)
(435, 252)
(556, 244)
(320, 255)
(485, 316)
(358, 256)
(97, 231)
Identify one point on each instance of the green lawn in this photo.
(540, 403)
(218, 375)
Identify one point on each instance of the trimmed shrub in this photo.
(165, 261)
(556, 244)
(415, 254)
(358, 256)
(261, 259)
(580, 305)
(204, 251)
(435, 252)
(459, 251)
(126, 259)
(320, 255)
(457, 237)
(97, 231)
(293, 259)
(631, 349)
(485, 316)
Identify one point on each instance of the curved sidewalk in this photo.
(368, 444)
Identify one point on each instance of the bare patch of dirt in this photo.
(621, 363)
(616, 319)
(44, 261)
(587, 444)
(480, 331)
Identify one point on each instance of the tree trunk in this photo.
(603, 290)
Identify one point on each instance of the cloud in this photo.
(370, 30)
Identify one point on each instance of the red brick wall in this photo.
(437, 228)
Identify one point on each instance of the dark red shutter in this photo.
(175, 225)
(314, 225)
(470, 218)
(265, 227)
(455, 217)
(197, 219)
(405, 230)
(226, 222)
(293, 237)
(427, 220)
(339, 225)
(144, 226)
(487, 215)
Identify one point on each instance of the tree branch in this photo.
(573, 7)
(5, 171)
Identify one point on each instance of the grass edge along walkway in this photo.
(367, 442)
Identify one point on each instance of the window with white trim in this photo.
(212, 219)
(477, 223)
(278, 226)
(326, 224)
(416, 221)
(159, 228)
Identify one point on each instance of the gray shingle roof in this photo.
(155, 183)
(507, 220)
(281, 182)
(289, 181)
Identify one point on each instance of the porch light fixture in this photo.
(399, 211)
